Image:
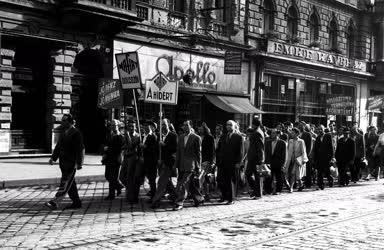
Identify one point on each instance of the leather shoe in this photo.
(221, 200)
(73, 206)
(177, 207)
(230, 203)
(51, 204)
(155, 205)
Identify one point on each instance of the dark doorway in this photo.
(29, 94)
(89, 118)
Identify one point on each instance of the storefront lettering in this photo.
(202, 74)
(316, 56)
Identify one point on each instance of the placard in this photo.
(110, 94)
(129, 70)
(161, 90)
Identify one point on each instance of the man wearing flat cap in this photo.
(345, 156)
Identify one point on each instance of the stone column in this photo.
(59, 90)
(6, 82)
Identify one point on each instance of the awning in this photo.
(232, 104)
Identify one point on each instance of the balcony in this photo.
(101, 15)
(219, 28)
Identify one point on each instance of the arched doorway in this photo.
(89, 118)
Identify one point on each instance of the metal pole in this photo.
(160, 128)
(137, 113)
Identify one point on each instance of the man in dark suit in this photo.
(150, 155)
(229, 157)
(255, 157)
(345, 156)
(360, 153)
(70, 152)
(188, 163)
(168, 157)
(307, 138)
(275, 154)
(322, 156)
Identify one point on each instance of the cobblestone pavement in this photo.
(336, 218)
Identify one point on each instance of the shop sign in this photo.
(232, 63)
(316, 56)
(161, 90)
(110, 94)
(206, 71)
(4, 141)
(375, 103)
(129, 70)
(340, 105)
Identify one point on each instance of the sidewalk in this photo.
(36, 171)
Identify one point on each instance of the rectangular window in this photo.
(177, 5)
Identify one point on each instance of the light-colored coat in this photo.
(188, 156)
(296, 150)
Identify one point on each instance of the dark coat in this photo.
(168, 151)
(208, 149)
(360, 146)
(307, 138)
(69, 149)
(345, 151)
(370, 143)
(277, 159)
(323, 151)
(230, 152)
(256, 153)
(151, 149)
(113, 152)
(188, 155)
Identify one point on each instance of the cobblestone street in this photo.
(337, 218)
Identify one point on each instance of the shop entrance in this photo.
(29, 95)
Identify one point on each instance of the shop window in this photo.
(292, 21)
(177, 5)
(351, 41)
(221, 12)
(269, 20)
(314, 25)
(333, 33)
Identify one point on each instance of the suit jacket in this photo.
(208, 149)
(296, 150)
(131, 145)
(370, 143)
(345, 151)
(168, 151)
(360, 146)
(256, 147)
(113, 152)
(69, 149)
(151, 148)
(278, 157)
(323, 151)
(307, 138)
(230, 152)
(188, 155)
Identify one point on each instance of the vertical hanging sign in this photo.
(129, 70)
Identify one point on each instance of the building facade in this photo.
(310, 60)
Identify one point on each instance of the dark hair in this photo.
(206, 130)
(220, 126)
(69, 118)
(296, 130)
(256, 122)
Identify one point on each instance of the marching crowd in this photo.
(260, 161)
